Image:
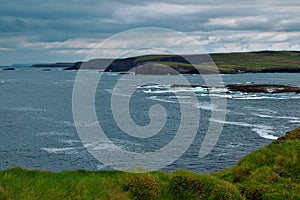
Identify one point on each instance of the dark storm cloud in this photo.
(222, 25)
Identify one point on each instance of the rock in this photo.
(185, 86)
(261, 88)
(8, 69)
(291, 135)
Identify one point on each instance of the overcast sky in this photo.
(63, 30)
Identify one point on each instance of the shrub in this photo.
(3, 193)
(253, 191)
(142, 186)
(191, 187)
(225, 190)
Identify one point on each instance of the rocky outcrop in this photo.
(252, 88)
(53, 65)
(8, 69)
(187, 86)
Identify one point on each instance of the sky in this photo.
(34, 31)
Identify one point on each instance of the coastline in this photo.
(224, 63)
(271, 172)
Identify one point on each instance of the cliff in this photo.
(246, 62)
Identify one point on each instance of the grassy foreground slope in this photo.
(272, 172)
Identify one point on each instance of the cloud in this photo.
(153, 11)
(37, 30)
(238, 22)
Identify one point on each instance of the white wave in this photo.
(66, 150)
(232, 145)
(294, 121)
(235, 145)
(293, 97)
(156, 98)
(208, 106)
(100, 167)
(186, 89)
(218, 90)
(179, 97)
(67, 123)
(261, 130)
(203, 105)
(104, 146)
(158, 91)
(275, 116)
(80, 124)
(221, 95)
(50, 133)
(108, 90)
(148, 91)
(122, 95)
(262, 116)
(287, 117)
(63, 82)
(86, 123)
(169, 100)
(69, 141)
(2, 81)
(250, 97)
(114, 92)
(258, 97)
(265, 133)
(265, 110)
(222, 154)
(25, 109)
(232, 123)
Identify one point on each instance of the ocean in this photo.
(38, 131)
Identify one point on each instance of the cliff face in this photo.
(227, 63)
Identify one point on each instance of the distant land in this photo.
(227, 63)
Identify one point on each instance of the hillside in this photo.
(247, 62)
(272, 172)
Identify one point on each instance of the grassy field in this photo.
(257, 61)
(272, 172)
(264, 61)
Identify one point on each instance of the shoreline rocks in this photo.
(262, 88)
(8, 69)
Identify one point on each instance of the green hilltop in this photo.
(243, 62)
(272, 172)
(263, 61)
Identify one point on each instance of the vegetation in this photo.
(265, 61)
(272, 172)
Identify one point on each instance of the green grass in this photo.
(238, 62)
(272, 172)
(257, 61)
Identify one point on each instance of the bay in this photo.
(37, 129)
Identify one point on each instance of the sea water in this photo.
(37, 129)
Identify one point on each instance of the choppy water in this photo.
(37, 129)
